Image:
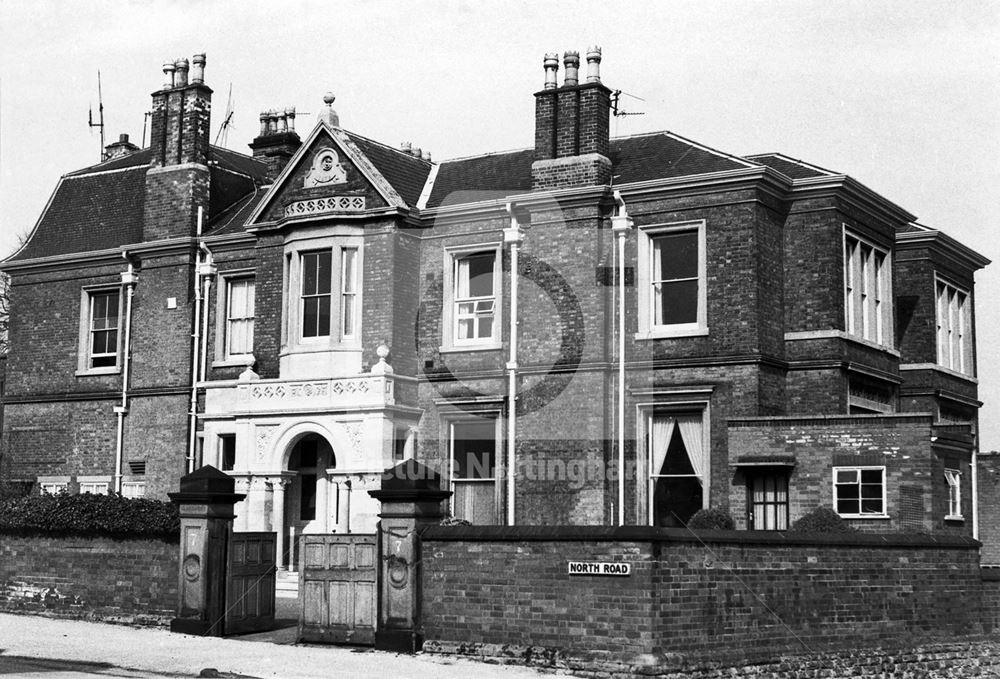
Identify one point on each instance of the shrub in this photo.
(89, 515)
(711, 519)
(821, 520)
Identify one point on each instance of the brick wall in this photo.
(989, 506)
(127, 581)
(733, 597)
(902, 443)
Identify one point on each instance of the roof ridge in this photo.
(94, 169)
(486, 155)
(710, 149)
(223, 148)
(797, 161)
(386, 146)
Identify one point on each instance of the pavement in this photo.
(46, 648)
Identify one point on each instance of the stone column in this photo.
(205, 501)
(278, 487)
(411, 498)
(322, 499)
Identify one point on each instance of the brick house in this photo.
(587, 331)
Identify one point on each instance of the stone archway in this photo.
(307, 460)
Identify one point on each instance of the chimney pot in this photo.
(594, 64)
(290, 117)
(168, 75)
(123, 138)
(551, 65)
(198, 69)
(571, 60)
(417, 152)
(181, 76)
(406, 147)
(427, 156)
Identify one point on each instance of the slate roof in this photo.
(634, 159)
(794, 169)
(487, 177)
(101, 207)
(406, 173)
(90, 212)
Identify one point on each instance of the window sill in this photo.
(668, 333)
(462, 348)
(875, 517)
(955, 518)
(93, 372)
(233, 363)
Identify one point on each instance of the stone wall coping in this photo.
(680, 535)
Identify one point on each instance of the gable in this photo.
(329, 175)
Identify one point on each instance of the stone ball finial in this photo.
(382, 368)
(329, 98)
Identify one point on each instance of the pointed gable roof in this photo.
(375, 172)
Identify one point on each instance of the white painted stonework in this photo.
(356, 415)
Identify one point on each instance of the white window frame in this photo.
(953, 312)
(84, 354)
(862, 515)
(349, 284)
(647, 326)
(346, 238)
(133, 489)
(498, 460)
(449, 314)
(53, 488)
(953, 477)
(867, 276)
(682, 401)
(223, 316)
(95, 485)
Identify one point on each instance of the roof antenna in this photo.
(619, 112)
(227, 122)
(100, 112)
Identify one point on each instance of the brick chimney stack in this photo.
(572, 125)
(121, 148)
(181, 115)
(278, 141)
(178, 179)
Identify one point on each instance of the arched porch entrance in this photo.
(306, 501)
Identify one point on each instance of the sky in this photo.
(902, 95)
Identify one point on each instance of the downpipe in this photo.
(129, 280)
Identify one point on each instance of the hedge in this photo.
(89, 515)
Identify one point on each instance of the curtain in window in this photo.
(662, 431)
(691, 433)
(691, 430)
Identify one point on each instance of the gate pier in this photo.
(411, 498)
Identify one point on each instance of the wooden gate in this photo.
(250, 583)
(338, 586)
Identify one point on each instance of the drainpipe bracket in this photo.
(120, 410)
